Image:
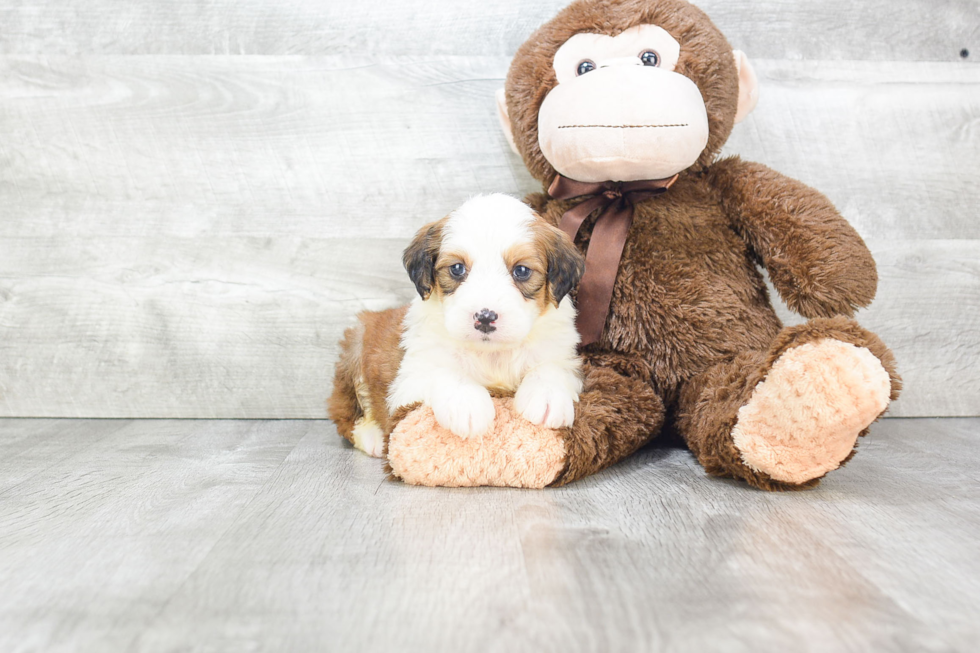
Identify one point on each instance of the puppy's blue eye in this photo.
(650, 58)
(522, 273)
(457, 270)
(585, 67)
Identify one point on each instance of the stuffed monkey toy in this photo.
(620, 108)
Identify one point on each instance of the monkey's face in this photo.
(623, 90)
(619, 111)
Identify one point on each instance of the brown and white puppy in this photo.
(492, 312)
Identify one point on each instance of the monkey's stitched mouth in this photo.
(620, 126)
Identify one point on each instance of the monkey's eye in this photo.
(521, 273)
(650, 58)
(457, 270)
(586, 67)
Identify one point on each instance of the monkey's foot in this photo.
(514, 453)
(804, 418)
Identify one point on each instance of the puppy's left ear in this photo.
(566, 265)
(420, 257)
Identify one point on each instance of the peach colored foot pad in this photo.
(514, 453)
(805, 417)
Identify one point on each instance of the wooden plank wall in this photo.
(196, 198)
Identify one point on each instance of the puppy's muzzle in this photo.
(483, 321)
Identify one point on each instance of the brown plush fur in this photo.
(691, 330)
(615, 416)
(819, 265)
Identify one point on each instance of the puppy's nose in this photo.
(483, 321)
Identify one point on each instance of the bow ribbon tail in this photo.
(616, 200)
(601, 264)
(573, 218)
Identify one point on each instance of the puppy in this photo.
(492, 314)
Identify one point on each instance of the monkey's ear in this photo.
(419, 258)
(566, 265)
(504, 117)
(748, 86)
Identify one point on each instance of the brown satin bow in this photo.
(615, 200)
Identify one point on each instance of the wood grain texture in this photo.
(150, 499)
(359, 147)
(249, 326)
(907, 30)
(188, 236)
(220, 327)
(189, 146)
(278, 536)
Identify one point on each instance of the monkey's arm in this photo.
(817, 261)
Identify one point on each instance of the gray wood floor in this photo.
(277, 536)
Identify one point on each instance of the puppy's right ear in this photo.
(420, 257)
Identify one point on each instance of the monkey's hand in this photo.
(817, 261)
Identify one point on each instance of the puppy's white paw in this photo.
(466, 410)
(369, 438)
(545, 405)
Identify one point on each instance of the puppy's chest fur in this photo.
(500, 371)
